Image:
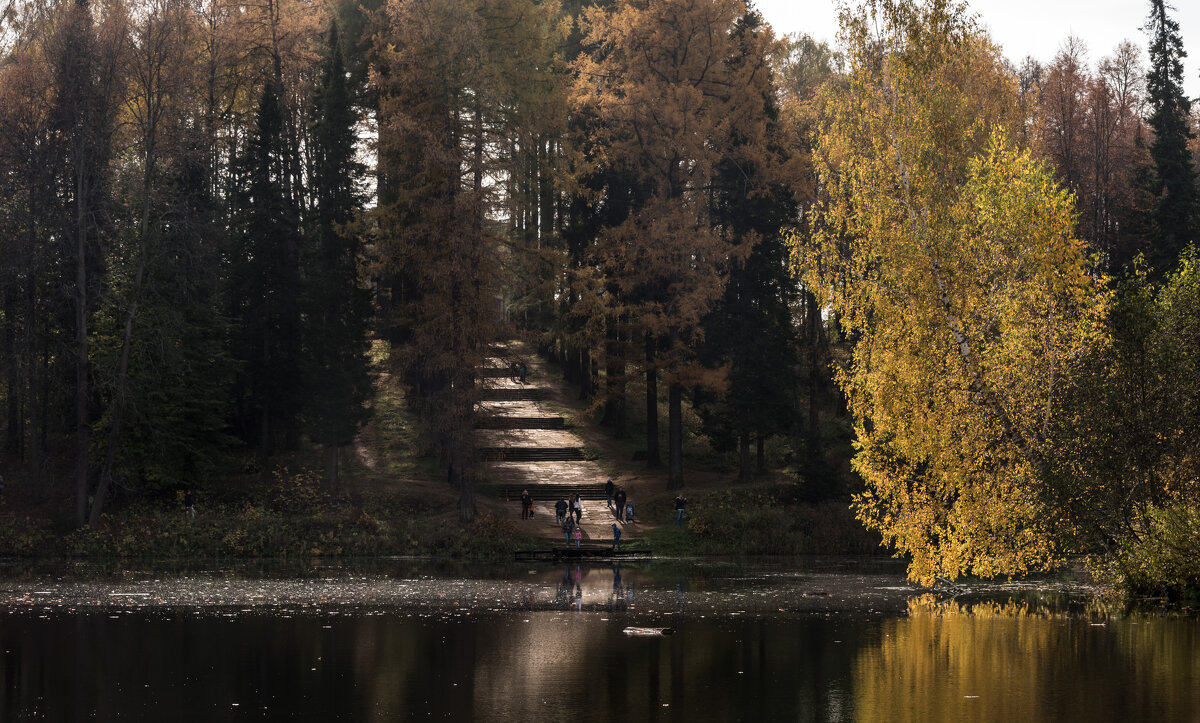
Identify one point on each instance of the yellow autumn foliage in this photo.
(947, 252)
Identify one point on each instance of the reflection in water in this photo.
(555, 650)
(1011, 662)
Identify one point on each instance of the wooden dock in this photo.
(559, 553)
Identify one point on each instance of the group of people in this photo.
(569, 508)
(572, 530)
(519, 372)
(569, 512)
(616, 495)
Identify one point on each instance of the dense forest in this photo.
(220, 221)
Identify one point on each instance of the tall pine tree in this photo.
(338, 307)
(1174, 180)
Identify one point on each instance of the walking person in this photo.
(189, 506)
(526, 504)
(616, 537)
(568, 526)
(628, 512)
(577, 535)
(620, 500)
(608, 492)
(578, 507)
(680, 502)
(523, 372)
(560, 510)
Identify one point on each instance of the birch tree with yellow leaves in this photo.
(947, 252)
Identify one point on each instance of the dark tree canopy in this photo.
(1173, 183)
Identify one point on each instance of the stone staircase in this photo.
(528, 447)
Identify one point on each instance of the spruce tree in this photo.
(751, 328)
(1173, 182)
(338, 308)
(265, 284)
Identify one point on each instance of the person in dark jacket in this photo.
(680, 502)
(560, 509)
(608, 492)
(526, 504)
(620, 500)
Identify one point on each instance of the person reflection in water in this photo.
(562, 592)
(679, 596)
(616, 601)
(578, 588)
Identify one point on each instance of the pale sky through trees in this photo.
(1027, 27)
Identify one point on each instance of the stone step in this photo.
(502, 422)
(508, 394)
(553, 492)
(495, 373)
(532, 454)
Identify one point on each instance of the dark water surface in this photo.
(823, 640)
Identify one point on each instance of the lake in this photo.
(800, 640)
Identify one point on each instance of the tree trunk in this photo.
(120, 394)
(585, 373)
(118, 413)
(653, 458)
(675, 436)
(13, 429)
(265, 447)
(614, 381)
(39, 436)
(332, 476)
(82, 429)
(744, 471)
(463, 480)
(814, 351)
(570, 363)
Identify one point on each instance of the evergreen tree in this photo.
(338, 308)
(265, 284)
(751, 328)
(181, 371)
(1174, 180)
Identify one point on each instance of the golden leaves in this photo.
(950, 252)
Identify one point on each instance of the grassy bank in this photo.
(763, 518)
(289, 516)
